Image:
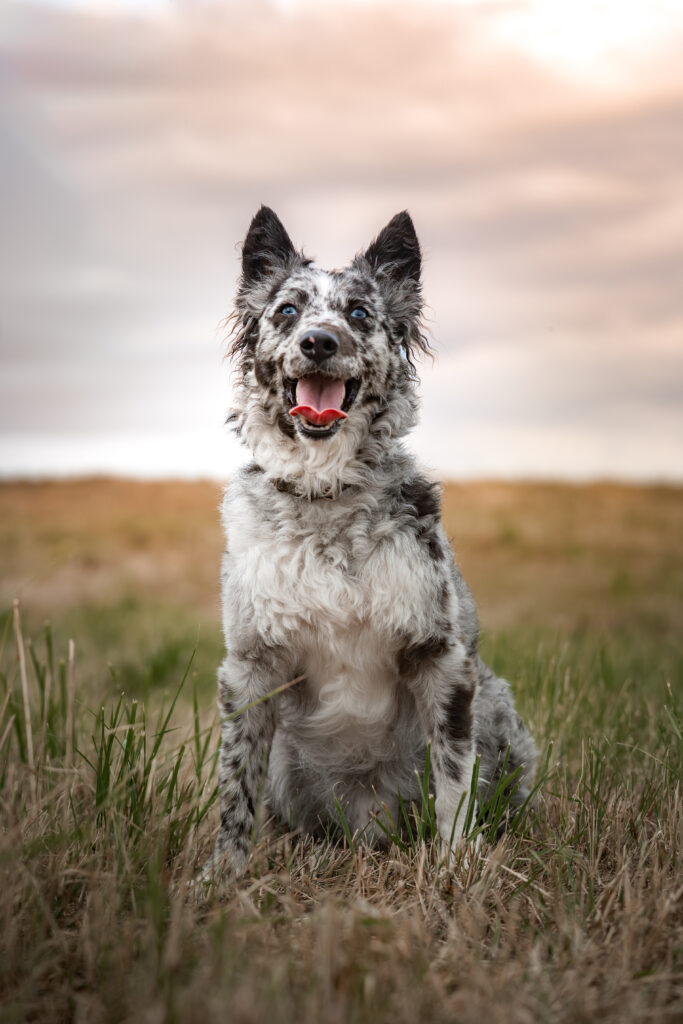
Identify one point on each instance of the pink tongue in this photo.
(319, 399)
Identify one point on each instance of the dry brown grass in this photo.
(93, 540)
(604, 555)
(578, 916)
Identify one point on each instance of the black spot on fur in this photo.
(265, 371)
(247, 795)
(368, 397)
(434, 547)
(422, 497)
(260, 651)
(252, 469)
(413, 656)
(277, 285)
(227, 704)
(234, 764)
(421, 500)
(500, 721)
(241, 844)
(233, 832)
(244, 331)
(286, 424)
(458, 719)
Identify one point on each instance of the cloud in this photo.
(134, 151)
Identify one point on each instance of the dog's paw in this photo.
(225, 864)
(464, 852)
(460, 852)
(457, 849)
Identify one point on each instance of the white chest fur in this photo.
(293, 579)
(342, 596)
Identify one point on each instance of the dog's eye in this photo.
(288, 310)
(358, 313)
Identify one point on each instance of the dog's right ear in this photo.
(267, 251)
(266, 248)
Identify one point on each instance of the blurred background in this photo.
(538, 146)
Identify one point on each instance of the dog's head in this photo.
(325, 357)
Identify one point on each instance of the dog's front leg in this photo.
(444, 684)
(246, 735)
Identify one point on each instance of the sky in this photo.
(537, 145)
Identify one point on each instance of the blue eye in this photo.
(288, 310)
(359, 313)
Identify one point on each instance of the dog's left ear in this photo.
(394, 257)
(396, 251)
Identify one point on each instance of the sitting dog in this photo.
(338, 577)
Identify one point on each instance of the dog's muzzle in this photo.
(317, 397)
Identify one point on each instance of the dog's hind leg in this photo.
(443, 682)
(501, 738)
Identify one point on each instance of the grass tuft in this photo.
(108, 804)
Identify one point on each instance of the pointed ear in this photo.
(396, 250)
(266, 248)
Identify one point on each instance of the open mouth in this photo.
(320, 402)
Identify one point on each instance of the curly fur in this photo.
(337, 569)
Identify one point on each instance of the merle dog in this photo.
(337, 571)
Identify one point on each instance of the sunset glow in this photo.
(537, 145)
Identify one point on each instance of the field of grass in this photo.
(107, 780)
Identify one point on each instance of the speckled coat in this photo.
(337, 571)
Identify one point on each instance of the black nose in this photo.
(318, 345)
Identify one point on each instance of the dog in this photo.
(351, 635)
